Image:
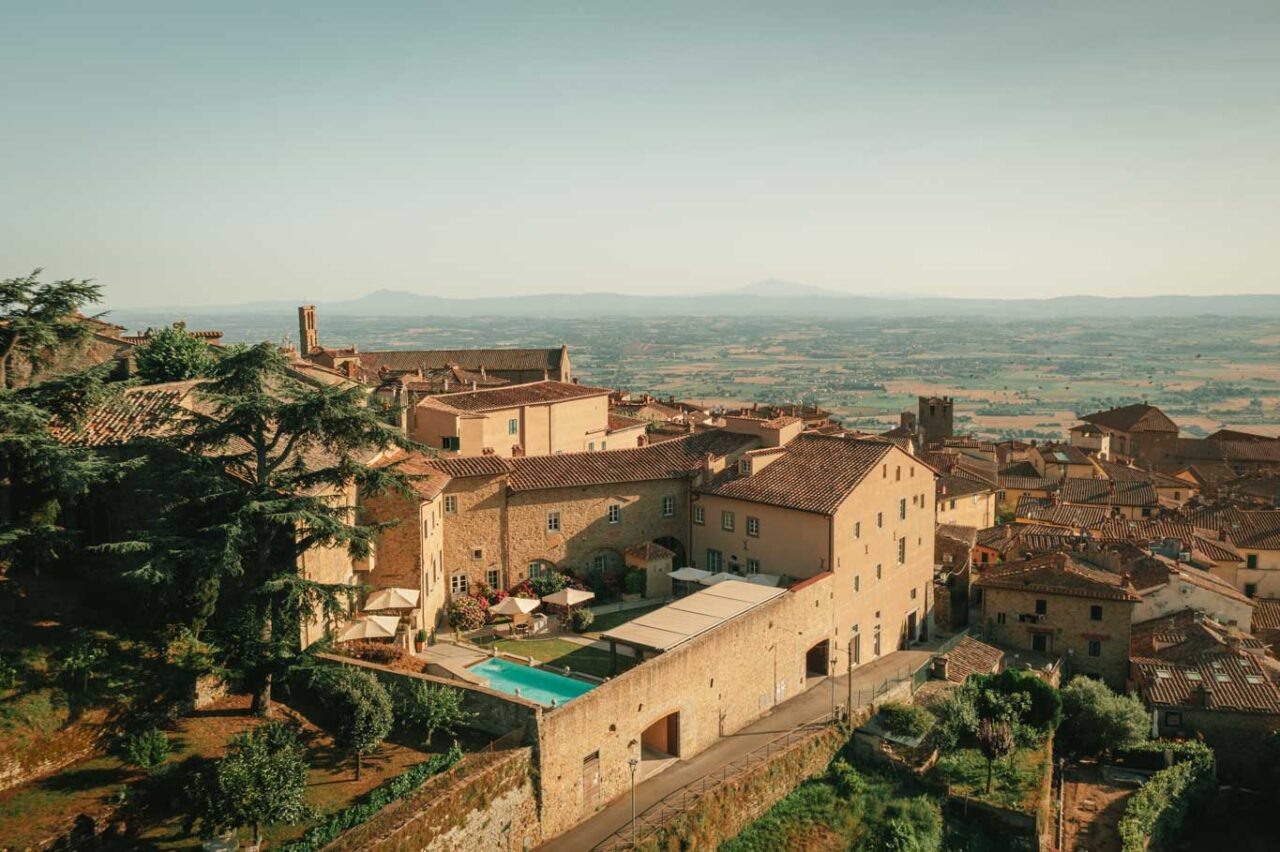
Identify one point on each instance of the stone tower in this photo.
(308, 337)
(935, 419)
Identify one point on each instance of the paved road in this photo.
(790, 714)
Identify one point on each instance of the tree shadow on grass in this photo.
(83, 780)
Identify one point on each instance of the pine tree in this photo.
(36, 320)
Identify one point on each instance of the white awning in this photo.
(568, 597)
(515, 606)
(371, 627)
(689, 575)
(712, 579)
(392, 599)
(678, 622)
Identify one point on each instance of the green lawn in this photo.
(561, 652)
(610, 620)
(1011, 787)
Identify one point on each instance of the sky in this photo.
(218, 153)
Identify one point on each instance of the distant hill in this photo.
(763, 299)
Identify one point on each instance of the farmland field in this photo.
(1028, 378)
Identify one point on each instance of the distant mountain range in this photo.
(762, 299)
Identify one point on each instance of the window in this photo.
(1173, 718)
(953, 504)
(1250, 590)
(1042, 606)
(902, 509)
(857, 583)
(458, 584)
(494, 578)
(913, 470)
(604, 445)
(1040, 642)
(715, 559)
(615, 513)
(600, 561)
(879, 572)
(1095, 648)
(753, 527)
(902, 550)
(1095, 613)
(913, 594)
(513, 426)
(591, 447)
(426, 527)
(753, 565)
(699, 515)
(535, 569)
(857, 529)
(668, 506)
(553, 521)
(999, 618)
(1251, 561)
(879, 520)
(897, 474)
(744, 467)
(477, 553)
(1177, 495)
(726, 521)
(450, 504)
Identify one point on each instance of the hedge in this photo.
(1158, 810)
(402, 786)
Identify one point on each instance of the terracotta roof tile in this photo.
(461, 467)
(675, 459)
(1266, 613)
(467, 359)
(142, 411)
(969, 657)
(1057, 573)
(815, 474)
(513, 396)
(1138, 417)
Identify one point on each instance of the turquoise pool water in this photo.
(537, 685)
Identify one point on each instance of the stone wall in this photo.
(717, 683)
(495, 712)
(487, 802)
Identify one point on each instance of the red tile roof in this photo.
(1057, 573)
(1247, 529)
(1138, 417)
(461, 467)
(1108, 492)
(678, 458)
(969, 657)
(1266, 613)
(815, 474)
(428, 479)
(514, 396)
(141, 411)
(618, 422)
(468, 359)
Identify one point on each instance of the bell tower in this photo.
(308, 337)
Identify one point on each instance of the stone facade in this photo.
(410, 553)
(327, 565)
(716, 683)
(968, 510)
(1068, 627)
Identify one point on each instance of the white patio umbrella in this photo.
(568, 597)
(515, 606)
(392, 599)
(371, 627)
(689, 575)
(718, 578)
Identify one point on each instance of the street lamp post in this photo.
(633, 763)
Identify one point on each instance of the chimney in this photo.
(473, 385)
(482, 373)
(308, 336)
(351, 368)
(1201, 697)
(940, 665)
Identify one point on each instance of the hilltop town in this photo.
(461, 599)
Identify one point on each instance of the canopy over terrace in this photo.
(371, 627)
(688, 618)
(392, 599)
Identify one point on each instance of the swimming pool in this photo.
(538, 685)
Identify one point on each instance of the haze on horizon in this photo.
(215, 153)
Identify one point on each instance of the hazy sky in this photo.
(222, 152)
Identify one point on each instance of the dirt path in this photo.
(1091, 811)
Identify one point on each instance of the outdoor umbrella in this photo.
(568, 597)
(689, 575)
(392, 599)
(515, 606)
(718, 578)
(371, 627)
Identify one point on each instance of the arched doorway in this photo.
(676, 546)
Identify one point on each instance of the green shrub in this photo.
(580, 620)
(848, 782)
(147, 749)
(548, 583)
(1044, 712)
(1154, 815)
(423, 708)
(635, 582)
(910, 825)
(905, 720)
(955, 719)
(466, 613)
(1095, 719)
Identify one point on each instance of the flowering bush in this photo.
(467, 613)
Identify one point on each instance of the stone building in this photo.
(536, 419)
(965, 501)
(1202, 679)
(1137, 431)
(935, 419)
(860, 509)
(1057, 605)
